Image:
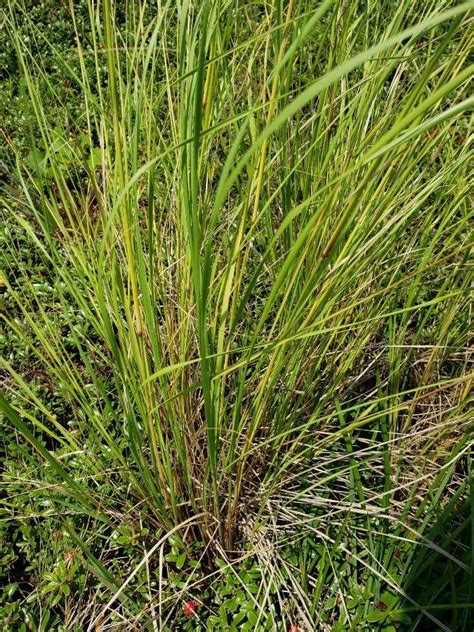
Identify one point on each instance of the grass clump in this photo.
(236, 274)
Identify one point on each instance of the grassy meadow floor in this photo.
(236, 318)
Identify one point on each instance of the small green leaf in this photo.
(400, 617)
(180, 560)
(375, 616)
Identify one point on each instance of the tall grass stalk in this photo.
(262, 278)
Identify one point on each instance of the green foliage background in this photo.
(324, 324)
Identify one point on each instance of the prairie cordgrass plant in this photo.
(236, 284)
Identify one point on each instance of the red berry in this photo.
(190, 607)
(294, 628)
